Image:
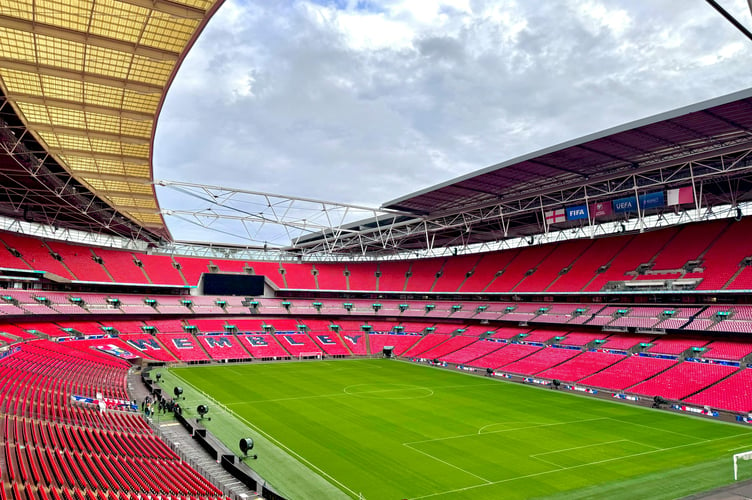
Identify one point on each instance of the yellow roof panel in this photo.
(69, 14)
(21, 9)
(21, 82)
(117, 19)
(17, 45)
(87, 78)
(59, 53)
(165, 32)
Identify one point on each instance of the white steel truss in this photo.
(271, 220)
(316, 229)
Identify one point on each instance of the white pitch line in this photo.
(748, 447)
(650, 427)
(296, 398)
(404, 387)
(558, 466)
(480, 431)
(457, 490)
(277, 442)
(644, 444)
(505, 430)
(446, 463)
(536, 455)
(256, 401)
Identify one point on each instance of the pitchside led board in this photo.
(247, 285)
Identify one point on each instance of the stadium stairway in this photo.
(606, 265)
(468, 273)
(652, 376)
(177, 436)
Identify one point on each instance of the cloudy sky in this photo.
(364, 101)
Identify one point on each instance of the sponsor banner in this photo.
(680, 196)
(555, 216)
(10, 351)
(651, 200)
(646, 201)
(577, 212)
(601, 209)
(628, 397)
(531, 380)
(582, 389)
(116, 351)
(624, 205)
(104, 403)
(691, 409)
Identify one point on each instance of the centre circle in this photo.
(388, 391)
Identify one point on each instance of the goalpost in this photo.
(747, 455)
(310, 355)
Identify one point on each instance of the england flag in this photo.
(555, 216)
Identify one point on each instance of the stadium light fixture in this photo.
(246, 445)
(202, 411)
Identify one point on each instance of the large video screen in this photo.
(233, 284)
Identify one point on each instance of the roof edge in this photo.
(641, 122)
(208, 17)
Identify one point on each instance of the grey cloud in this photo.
(275, 101)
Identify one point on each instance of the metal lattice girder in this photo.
(271, 219)
(34, 188)
(315, 226)
(722, 180)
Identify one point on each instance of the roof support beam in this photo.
(98, 155)
(114, 177)
(172, 8)
(135, 196)
(120, 83)
(731, 18)
(77, 106)
(133, 208)
(87, 38)
(105, 136)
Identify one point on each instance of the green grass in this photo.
(392, 430)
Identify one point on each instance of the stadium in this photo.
(575, 322)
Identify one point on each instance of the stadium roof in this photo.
(707, 145)
(87, 79)
(691, 133)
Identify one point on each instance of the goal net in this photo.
(310, 355)
(747, 455)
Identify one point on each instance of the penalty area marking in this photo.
(526, 424)
(748, 447)
(507, 430)
(446, 463)
(457, 490)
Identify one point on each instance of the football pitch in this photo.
(387, 429)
